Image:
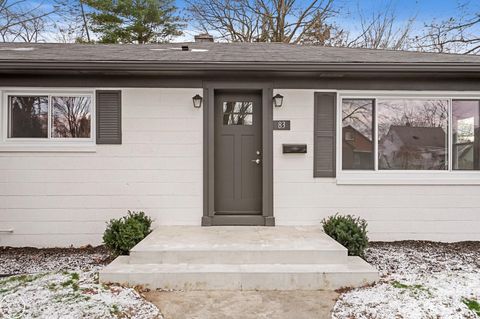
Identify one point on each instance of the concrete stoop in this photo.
(239, 258)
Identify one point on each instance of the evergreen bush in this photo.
(124, 233)
(348, 230)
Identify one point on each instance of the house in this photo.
(413, 148)
(234, 134)
(357, 149)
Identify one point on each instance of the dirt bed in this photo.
(424, 256)
(28, 260)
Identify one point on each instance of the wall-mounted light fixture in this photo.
(278, 100)
(197, 101)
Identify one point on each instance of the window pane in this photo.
(71, 116)
(28, 116)
(412, 134)
(237, 107)
(237, 113)
(357, 134)
(465, 129)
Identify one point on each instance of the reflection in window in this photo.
(237, 113)
(465, 130)
(412, 134)
(28, 116)
(71, 116)
(357, 132)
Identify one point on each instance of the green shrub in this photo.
(349, 231)
(124, 233)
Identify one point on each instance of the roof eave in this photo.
(154, 66)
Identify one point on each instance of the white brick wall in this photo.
(62, 199)
(394, 212)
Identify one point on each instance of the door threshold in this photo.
(238, 220)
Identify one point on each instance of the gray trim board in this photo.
(209, 218)
(448, 82)
(149, 67)
(208, 157)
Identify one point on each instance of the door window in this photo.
(237, 113)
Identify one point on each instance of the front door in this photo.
(238, 154)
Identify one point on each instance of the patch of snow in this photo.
(70, 295)
(17, 49)
(418, 280)
(63, 283)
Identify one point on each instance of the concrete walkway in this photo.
(244, 304)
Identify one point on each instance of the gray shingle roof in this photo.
(420, 136)
(244, 53)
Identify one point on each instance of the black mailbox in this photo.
(294, 148)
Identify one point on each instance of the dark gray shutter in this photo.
(109, 117)
(324, 134)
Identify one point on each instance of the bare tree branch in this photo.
(454, 35)
(381, 29)
(288, 21)
(22, 21)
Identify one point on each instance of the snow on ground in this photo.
(418, 280)
(63, 283)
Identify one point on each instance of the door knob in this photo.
(257, 161)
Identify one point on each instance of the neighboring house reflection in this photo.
(357, 149)
(408, 147)
(465, 155)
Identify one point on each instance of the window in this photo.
(357, 131)
(71, 116)
(405, 134)
(237, 113)
(465, 131)
(63, 116)
(28, 116)
(412, 134)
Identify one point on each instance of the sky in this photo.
(423, 10)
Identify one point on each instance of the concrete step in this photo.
(354, 273)
(337, 256)
(238, 245)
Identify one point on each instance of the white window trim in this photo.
(401, 177)
(49, 144)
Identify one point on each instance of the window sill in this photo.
(425, 178)
(55, 148)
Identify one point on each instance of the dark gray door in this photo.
(238, 157)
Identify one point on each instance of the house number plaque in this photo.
(281, 125)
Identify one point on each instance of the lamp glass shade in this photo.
(197, 101)
(278, 100)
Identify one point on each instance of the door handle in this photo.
(257, 161)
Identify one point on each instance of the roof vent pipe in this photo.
(203, 37)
